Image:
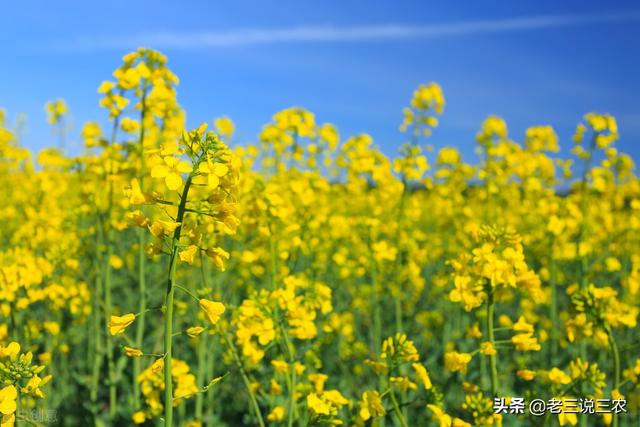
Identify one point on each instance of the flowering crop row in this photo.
(169, 277)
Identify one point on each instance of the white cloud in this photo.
(333, 34)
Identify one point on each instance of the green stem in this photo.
(168, 335)
(210, 367)
(188, 292)
(493, 359)
(245, 379)
(615, 355)
(209, 354)
(113, 398)
(292, 382)
(202, 368)
(181, 412)
(168, 322)
(97, 326)
(553, 314)
(113, 401)
(396, 409)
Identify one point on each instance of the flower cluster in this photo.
(497, 262)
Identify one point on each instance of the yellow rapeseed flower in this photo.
(171, 169)
(212, 309)
(317, 406)
(457, 362)
(194, 331)
(118, 324)
(276, 414)
(132, 352)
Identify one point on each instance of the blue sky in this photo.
(353, 63)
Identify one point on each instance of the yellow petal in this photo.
(184, 167)
(213, 181)
(212, 309)
(132, 352)
(220, 169)
(171, 161)
(8, 400)
(173, 181)
(188, 255)
(117, 324)
(159, 171)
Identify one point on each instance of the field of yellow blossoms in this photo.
(167, 277)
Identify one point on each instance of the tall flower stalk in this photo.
(168, 305)
(204, 172)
